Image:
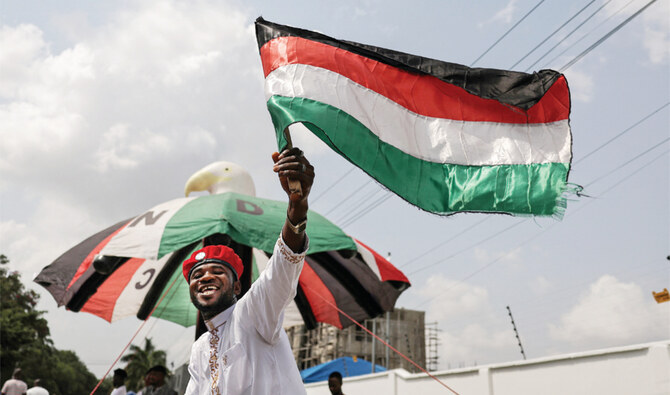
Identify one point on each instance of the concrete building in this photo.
(403, 329)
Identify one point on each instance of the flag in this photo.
(444, 137)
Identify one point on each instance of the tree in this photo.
(140, 360)
(22, 328)
(25, 342)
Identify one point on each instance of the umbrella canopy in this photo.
(347, 366)
(129, 267)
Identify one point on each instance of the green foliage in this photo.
(25, 342)
(106, 387)
(22, 329)
(139, 361)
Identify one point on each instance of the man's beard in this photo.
(224, 301)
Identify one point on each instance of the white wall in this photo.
(641, 369)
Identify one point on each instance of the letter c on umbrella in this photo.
(150, 272)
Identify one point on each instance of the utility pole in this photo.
(509, 311)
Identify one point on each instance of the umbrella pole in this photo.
(293, 185)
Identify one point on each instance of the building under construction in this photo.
(403, 329)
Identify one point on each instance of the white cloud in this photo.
(122, 149)
(54, 227)
(613, 313)
(657, 33)
(581, 85)
(471, 331)
(21, 46)
(506, 14)
(656, 21)
(162, 89)
(487, 256)
(541, 285)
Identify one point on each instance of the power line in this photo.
(587, 34)
(368, 209)
(442, 260)
(507, 32)
(605, 37)
(332, 185)
(552, 34)
(537, 306)
(356, 190)
(630, 160)
(636, 171)
(569, 34)
(592, 182)
(622, 133)
(356, 204)
(481, 269)
(460, 233)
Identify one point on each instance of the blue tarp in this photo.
(345, 365)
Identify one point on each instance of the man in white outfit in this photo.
(37, 389)
(118, 381)
(246, 350)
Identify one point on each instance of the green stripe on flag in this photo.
(525, 189)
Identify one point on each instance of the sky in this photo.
(106, 109)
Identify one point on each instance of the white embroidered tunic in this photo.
(246, 350)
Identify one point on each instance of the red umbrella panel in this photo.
(361, 284)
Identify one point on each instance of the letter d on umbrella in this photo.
(244, 206)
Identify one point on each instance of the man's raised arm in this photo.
(291, 164)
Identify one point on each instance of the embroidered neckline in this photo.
(214, 358)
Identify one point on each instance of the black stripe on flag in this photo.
(514, 88)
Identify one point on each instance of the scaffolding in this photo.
(403, 329)
(432, 346)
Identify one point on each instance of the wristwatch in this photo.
(297, 228)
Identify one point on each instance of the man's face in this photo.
(212, 288)
(158, 378)
(335, 386)
(117, 381)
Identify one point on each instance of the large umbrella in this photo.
(131, 266)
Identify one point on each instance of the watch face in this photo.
(299, 228)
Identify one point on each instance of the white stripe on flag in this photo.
(432, 139)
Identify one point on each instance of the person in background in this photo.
(36, 389)
(15, 386)
(118, 381)
(335, 383)
(157, 382)
(148, 384)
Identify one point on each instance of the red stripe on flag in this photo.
(103, 301)
(319, 296)
(89, 258)
(387, 271)
(422, 94)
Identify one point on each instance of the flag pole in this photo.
(293, 185)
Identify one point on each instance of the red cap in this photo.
(213, 254)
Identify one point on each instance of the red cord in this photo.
(380, 339)
(135, 335)
(319, 295)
